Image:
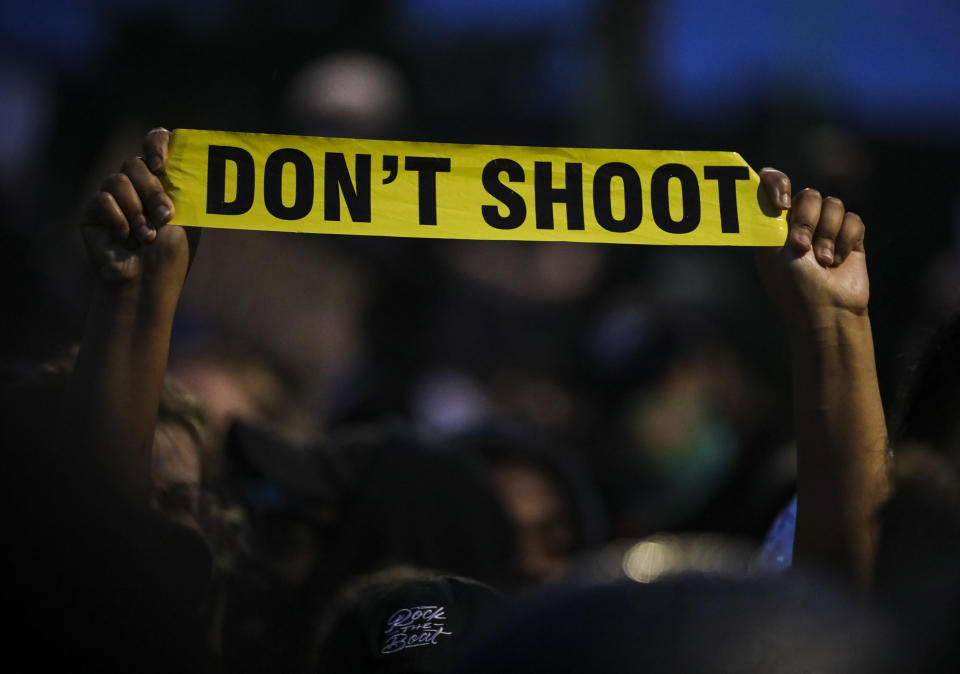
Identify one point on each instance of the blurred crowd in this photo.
(553, 457)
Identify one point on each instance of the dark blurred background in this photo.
(663, 370)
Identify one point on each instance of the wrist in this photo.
(836, 335)
(822, 321)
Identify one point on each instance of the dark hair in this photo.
(917, 571)
(507, 443)
(429, 509)
(377, 499)
(105, 581)
(930, 399)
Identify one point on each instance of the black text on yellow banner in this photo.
(451, 191)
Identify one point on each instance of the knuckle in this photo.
(113, 270)
(102, 200)
(153, 193)
(833, 202)
(854, 219)
(116, 181)
(800, 219)
(810, 193)
(130, 165)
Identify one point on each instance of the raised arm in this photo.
(140, 263)
(819, 282)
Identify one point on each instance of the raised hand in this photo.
(822, 266)
(142, 260)
(818, 279)
(125, 225)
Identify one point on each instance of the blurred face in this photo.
(222, 393)
(542, 519)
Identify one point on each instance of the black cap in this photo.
(414, 624)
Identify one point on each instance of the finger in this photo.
(155, 148)
(828, 227)
(102, 209)
(850, 238)
(121, 188)
(777, 185)
(802, 219)
(156, 203)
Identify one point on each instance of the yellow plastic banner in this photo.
(450, 191)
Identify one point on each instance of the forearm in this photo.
(841, 443)
(114, 394)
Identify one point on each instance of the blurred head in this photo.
(291, 495)
(927, 410)
(690, 624)
(175, 467)
(918, 556)
(365, 499)
(231, 382)
(403, 619)
(437, 510)
(542, 517)
(675, 395)
(326, 513)
(547, 492)
(349, 94)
